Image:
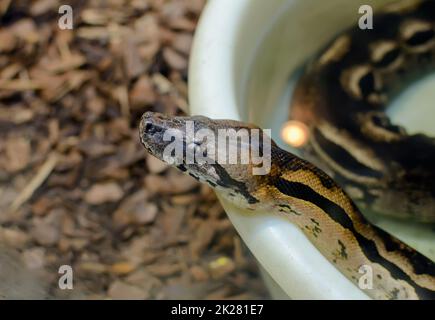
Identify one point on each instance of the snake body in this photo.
(309, 198)
(342, 98)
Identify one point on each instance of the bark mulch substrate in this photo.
(76, 187)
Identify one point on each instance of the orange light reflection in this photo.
(295, 133)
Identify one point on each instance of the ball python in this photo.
(306, 196)
(342, 97)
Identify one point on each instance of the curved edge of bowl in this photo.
(280, 247)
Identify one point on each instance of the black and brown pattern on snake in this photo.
(309, 198)
(343, 96)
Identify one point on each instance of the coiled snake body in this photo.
(342, 98)
(305, 194)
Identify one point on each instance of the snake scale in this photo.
(305, 194)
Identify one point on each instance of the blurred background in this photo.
(76, 186)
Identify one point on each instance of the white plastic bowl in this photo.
(243, 54)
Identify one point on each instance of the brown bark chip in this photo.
(76, 186)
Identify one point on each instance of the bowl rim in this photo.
(212, 61)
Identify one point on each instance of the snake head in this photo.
(228, 155)
(175, 140)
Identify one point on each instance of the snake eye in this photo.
(150, 128)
